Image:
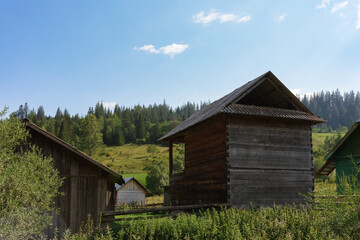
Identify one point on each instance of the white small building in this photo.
(131, 192)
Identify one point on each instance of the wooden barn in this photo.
(253, 145)
(345, 156)
(131, 192)
(88, 185)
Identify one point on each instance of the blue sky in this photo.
(73, 54)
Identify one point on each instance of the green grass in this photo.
(131, 159)
(319, 138)
(141, 177)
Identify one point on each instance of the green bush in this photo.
(28, 183)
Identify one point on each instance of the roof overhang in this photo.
(114, 176)
(330, 163)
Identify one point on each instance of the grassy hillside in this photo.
(141, 177)
(133, 159)
(319, 138)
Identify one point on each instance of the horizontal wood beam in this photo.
(163, 209)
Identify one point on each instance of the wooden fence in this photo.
(173, 211)
(170, 211)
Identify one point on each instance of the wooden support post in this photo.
(170, 157)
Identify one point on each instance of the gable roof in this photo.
(36, 128)
(330, 164)
(234, 97)
(118, 186)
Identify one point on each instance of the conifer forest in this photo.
(146, 124)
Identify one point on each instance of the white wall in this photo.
(132, 192)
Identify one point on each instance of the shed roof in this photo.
(330, 164)
(244, 95)
(31, 125)
(251, 110)
(119, 186)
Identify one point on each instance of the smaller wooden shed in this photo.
(88, 186)
(345, 156)
(131, 192)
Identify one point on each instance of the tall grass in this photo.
(330, 217)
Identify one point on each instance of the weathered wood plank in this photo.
(161, 209)
(280, 163)
(268, 183)
(191, 162)
(74, 196)
(260, 153)
(268, 130)
(261, 138)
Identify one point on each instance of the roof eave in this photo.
(117, 177)
(343, 139)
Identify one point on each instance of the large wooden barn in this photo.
(253, 145)
(344, 157)
(88, 185)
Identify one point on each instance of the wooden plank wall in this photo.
(86, 188)
(268, 161)
(132, 192)
(204, 180)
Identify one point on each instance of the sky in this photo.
(73, 54)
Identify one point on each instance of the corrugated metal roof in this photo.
(250, 110)
(215, 108)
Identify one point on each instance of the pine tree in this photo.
(91, 137)
(140, 125)
(41, 117)
(66, 129)
(58, 120)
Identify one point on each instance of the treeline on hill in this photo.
(138, 124)
(339, 110)
(141, 125)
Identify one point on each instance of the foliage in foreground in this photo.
(28, 184)
(331, 217)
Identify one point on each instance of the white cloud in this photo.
(110, 105)
(244, 19)
(213, 15)
(173, 49)
(324, 4)
(296, 91)
(299, 93)
(358, 18)
(201, 18)
(282, 17)
(339, 6)
(148, 48)
(229, 17)
(170, 50)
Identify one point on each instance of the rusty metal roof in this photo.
(217, 106)
(250, 110)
